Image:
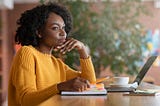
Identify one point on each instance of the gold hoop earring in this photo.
(39, 36)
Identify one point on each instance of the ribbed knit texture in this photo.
(34, 76)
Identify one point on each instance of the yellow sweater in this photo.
(34, 76)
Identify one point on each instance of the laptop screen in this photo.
(144, 69)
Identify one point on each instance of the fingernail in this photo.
(58, 47)
(88, 82)
(55, 49)
(61, 50)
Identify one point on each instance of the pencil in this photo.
(102, 79)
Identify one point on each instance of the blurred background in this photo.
(120, 36)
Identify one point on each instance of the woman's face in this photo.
(53, 34)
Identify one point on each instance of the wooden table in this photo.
(111, 99)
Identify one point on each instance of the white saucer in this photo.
(115, 85)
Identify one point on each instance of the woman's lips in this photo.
(61, 41)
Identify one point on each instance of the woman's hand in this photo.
(76, 84)
(71, 44)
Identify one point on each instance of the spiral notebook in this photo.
(95, 90)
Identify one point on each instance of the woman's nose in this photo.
(62, 32)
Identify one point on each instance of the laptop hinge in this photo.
(134, 85)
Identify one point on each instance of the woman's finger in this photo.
(68, 47)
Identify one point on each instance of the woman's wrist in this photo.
(83, 52)
(60, 87)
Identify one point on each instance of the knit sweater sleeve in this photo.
(87, 71)
(24, 80)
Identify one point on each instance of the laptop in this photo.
(133, 86)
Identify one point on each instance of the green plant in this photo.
(112, 32)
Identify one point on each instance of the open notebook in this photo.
(96, 90)
(145, 89)
(149, 92)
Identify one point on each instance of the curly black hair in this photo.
(33, 20)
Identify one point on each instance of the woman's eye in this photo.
(55, 28)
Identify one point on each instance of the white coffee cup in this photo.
(120, 80)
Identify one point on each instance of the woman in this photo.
(36, 75)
